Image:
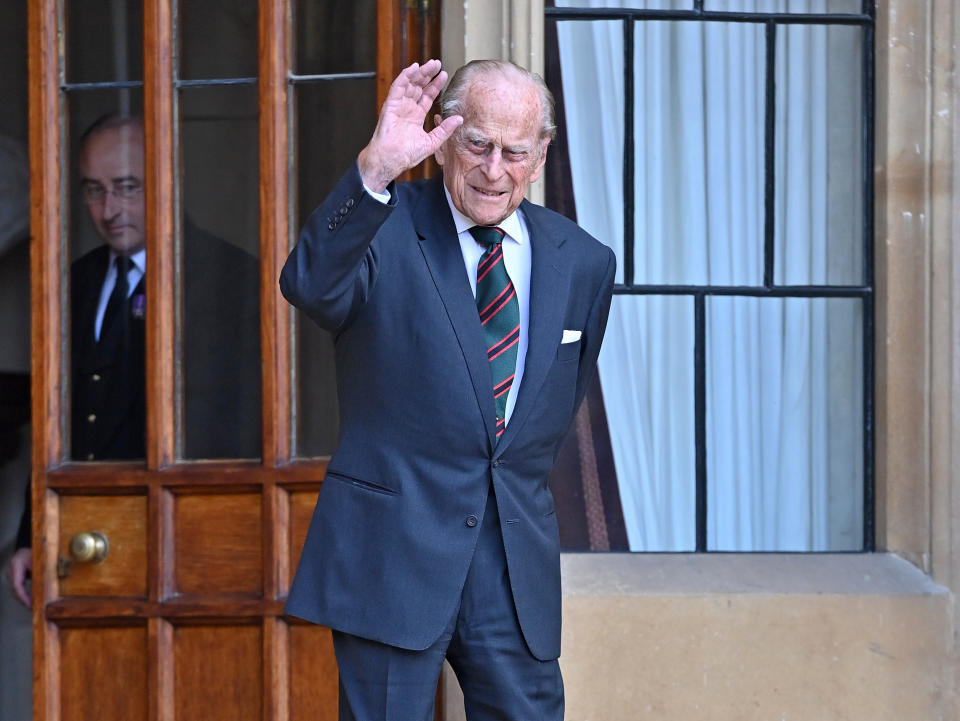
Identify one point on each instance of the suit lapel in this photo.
(441, 250)
(547, 274)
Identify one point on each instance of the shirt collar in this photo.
(139, 259)
(510, 225)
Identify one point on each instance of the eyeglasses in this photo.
(124, 191)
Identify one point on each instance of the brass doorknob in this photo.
(89, 546)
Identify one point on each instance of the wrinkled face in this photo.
(497, 152)
(111, 177)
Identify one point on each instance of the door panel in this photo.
(218, 543)
(313, 678)
(103, 673)
(218, 672)
(123, 522)
(301, 504)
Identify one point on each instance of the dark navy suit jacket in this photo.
(394, 528)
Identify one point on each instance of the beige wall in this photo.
(820, 637)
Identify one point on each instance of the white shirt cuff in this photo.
(383, 197)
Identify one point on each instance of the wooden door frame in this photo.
(404, 31)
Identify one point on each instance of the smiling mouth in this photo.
(489, 193)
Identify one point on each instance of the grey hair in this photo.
(453, 99)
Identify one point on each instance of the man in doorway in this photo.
(467, 324)
(221, 356)
(221, 353)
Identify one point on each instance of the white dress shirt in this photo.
(517, 257)
(138, 263)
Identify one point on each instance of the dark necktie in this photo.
(115, 316)
(499, 315)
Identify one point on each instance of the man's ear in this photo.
(438, 153)
(538, 168)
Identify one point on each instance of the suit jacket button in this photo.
(471, 521)
(331, 226)
(349, 202)
(95, 377)
(92, 418)
(90, 456)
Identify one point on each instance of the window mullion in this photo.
(274, 104)
(160, 194)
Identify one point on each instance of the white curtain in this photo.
(783, 390)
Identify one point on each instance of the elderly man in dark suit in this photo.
(467, 323)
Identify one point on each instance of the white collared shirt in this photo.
(138, 264)
(517, 257)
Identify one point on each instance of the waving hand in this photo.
(399, 141)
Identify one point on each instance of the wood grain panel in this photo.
(301, 511)
(123, 520)
(218, 544)
(313, 674)
(218, 673)
(103, 674)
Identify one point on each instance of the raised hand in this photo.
(399, 141)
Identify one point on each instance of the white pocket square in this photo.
(570, 336)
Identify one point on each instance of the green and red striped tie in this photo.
(499, 315)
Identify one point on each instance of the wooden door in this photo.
(250, 112)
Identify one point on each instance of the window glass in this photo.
(699, 150)
(335, 36)
(784, 424)
(218, 39)
(819, 156)
(594, 132)
(219, 281)
(647, 376)
(785, 6)
(631, 4)
(107, 242)
(104, 41)
(334, 121)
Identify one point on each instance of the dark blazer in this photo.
(220, 363)
(107, 408)
(395, 526)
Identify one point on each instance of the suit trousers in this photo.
(500, 679)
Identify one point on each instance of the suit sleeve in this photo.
(595, 329)
(333, 268)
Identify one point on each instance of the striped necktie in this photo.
(499, 315)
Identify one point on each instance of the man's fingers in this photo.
(17, 569)
(20, 591)
(432, 90)
(427, 72)
(445, 129)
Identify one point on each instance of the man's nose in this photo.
(111, 206)
(493, 163)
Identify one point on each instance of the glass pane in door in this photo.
(107, 231)
(327, 144)
(220, 274)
